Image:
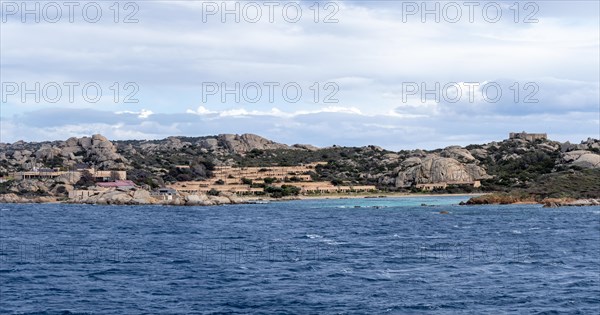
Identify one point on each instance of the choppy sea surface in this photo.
(350, 256)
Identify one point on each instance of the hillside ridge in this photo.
(502, 166)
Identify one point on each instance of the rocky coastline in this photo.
(138, 197)
(80, 170)
(143, 197)
(515, 198)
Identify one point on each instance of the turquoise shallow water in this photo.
(388, 255)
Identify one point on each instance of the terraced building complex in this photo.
(253, 180)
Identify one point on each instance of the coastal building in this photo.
(251, 181)
(327, 187)
(277, 172)
(444, 185)
(47, 173)
(203, 187)
(82, 194)
(164, 194)
(42, 173)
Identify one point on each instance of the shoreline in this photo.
(386, 195)
(197, 200)
(523, 199)
(203, 200)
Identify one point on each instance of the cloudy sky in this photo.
(389, 73)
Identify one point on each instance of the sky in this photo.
(398, 74)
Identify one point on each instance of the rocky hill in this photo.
(500, 166)
(95, 150)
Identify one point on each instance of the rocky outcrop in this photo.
(242, 144)
(211, 144)
(247, 142)
(31, 186)
(516, 198)
(437, 169)
(96, 151)
(589, 144)
(117, 197)
(307, 147)
(138, 196)
(47, 152)
(69, 179)
(14, 198)
(555, 203)
(501, 199)
(458, 153)
(206, 200)
(103, 153)
(582, 158)
(583, 155)
(168, 144)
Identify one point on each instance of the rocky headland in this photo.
(509, 171)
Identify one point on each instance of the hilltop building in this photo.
(528, 136)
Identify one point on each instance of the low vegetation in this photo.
(527, 168)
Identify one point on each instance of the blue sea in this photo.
(349, 256)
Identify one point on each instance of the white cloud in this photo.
(369, 54)
(275, 112)
(144, 113)
(201, 110)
